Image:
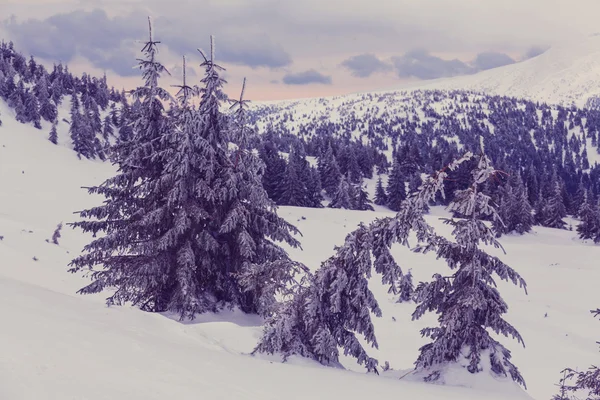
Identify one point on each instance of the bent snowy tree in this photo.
(336, 306)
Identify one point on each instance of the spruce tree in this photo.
(335, 305)
(468, 302)
(344, 197)
(329, 171)
(380, 195)
(293, 192)
(130, 257)
(47, 110)
(361, 198)
(406, 288)
(396, 188)
(198, 230)
(107, 128)
(513, 209)
(53, 137)
(274, 171)
(555, 209)
(589, 227)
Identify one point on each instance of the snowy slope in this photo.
(55, 344)
(566, 74)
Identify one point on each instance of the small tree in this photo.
(329, 172)
(56, 234)
(344, 197)
(53, 137)
(396, 189)
(589, 227)
(380, 195)
(361, 198)
(467, 302)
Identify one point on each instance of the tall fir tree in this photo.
(555, 209)
(53, 136)
(197, 232)
(396, 188)
(589, 213)
(329, 171)
(361, 198)
(468, 303)
(344, 197)
(380, 195)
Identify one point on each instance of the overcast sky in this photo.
(299, 48)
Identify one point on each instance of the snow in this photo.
(568, 73)
(56, 344)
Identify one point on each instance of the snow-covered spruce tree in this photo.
(124, 258)
(204, 229)
(293, 191)
(53, 136)
(344, 196)
(380, 195)
(589, 227)
(329, 171)
(407, 288)
(555, 209)
(467, 302)
(514, 211)
(396, 188)
(47, 110)
(335, 305)
(361, 198)
(32, 109)
(262, 268)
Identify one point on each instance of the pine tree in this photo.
(32, 109)
(47, 110)
(468, 303)
(80, 132)
(335, 305)
(293, 191)
(53, 137)
(361, 198)
(514, 210)
(107, 128)
(329, 172)
(128, 251)
(406, 287)
(274, 172)
(56, 235)
(589, 227)
(199, 232)
(380, 195)
(396, 189)
(555, 210)
(344, 196)
(522, 220)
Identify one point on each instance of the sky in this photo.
(297, 48)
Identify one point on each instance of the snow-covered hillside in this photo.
(56, 344)
(566, 74)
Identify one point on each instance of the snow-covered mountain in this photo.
(568, 73)
(57, 344)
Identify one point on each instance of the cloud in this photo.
(306, 78)
(109, 42)
(534, 51)
(490, 59)
(365, 65)
(422, 65)
(176, 71)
